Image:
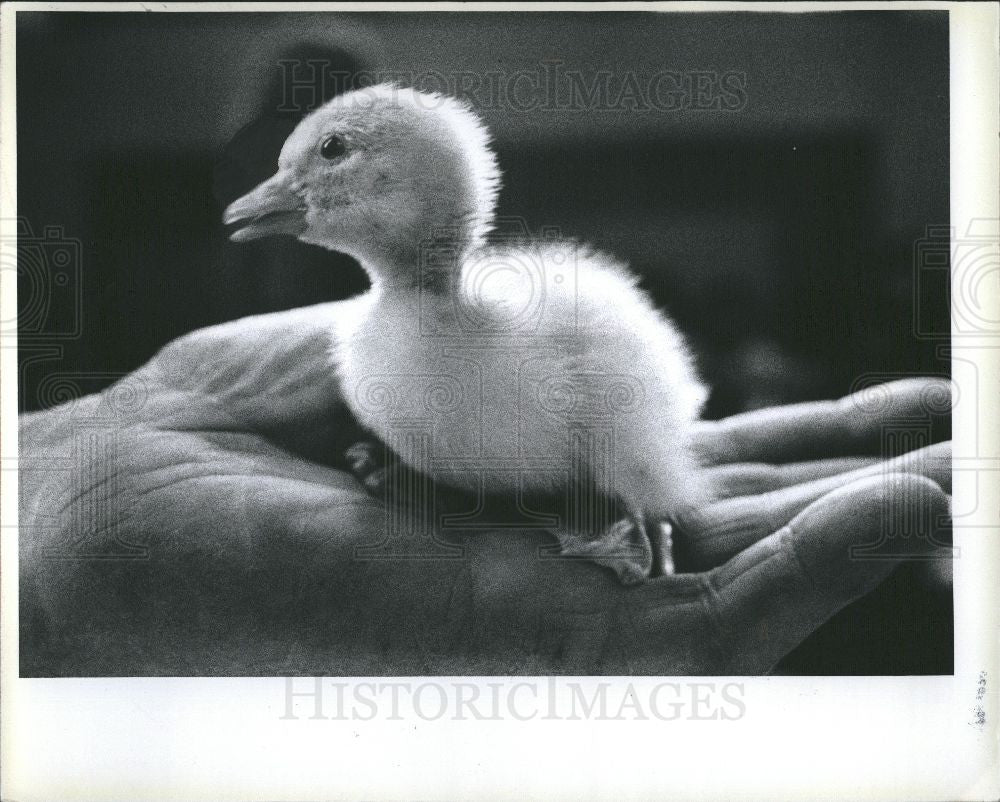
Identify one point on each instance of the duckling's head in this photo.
(376, 173)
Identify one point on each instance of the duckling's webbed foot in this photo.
(636, 549)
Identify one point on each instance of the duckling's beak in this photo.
(272, 208)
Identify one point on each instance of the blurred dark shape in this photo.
(303, 79)
(286, 272)
(764, 373)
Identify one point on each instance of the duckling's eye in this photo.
(332, 147)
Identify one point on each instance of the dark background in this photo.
(780, 235)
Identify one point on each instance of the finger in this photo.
(753, 478)
(769, 598)
(707, 536)
(850, 426)
(263, 350)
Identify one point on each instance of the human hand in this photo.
(216, 467)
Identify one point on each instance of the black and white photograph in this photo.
(436, 372)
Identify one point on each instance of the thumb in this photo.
(773, 595)
(272, 375)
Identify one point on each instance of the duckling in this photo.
(523, 367)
